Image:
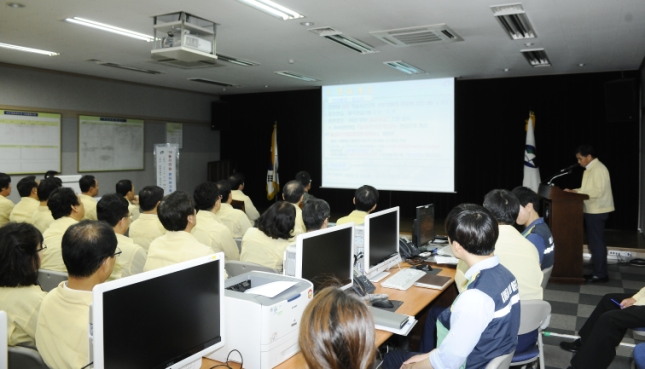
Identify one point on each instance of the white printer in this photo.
(265, 330)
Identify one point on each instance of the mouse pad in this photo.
(434, 270)
(396, 304)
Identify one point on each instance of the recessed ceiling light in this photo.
(581, 64)
(404, 67)
(28, 49)
(109, 28)
(307, 24)
(274, 9)
(15, 5)
(506, 69)
(529, 44)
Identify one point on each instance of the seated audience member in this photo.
(293, 193)
(236, 220)
(536, 230)
(42, 217)
(89, 252)
(315, 214)
(639, 355)
(6, 205)
(210, 231)
(113, 209)
(89, 189)
(337, 331)
(365, 200)
(28, 204)
(67, 210)
(305, 180)
(52, 174)
(605, 328)
(125, 188)
(484, 319)
(20, 294)
(237, 185)
(265, 245)
(177, 214)
(148, 227)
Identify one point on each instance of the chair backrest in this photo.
(3, 340)
(25, 358)
(501, 362)
(235, 268)
(534, 313)
(49, 279)
(237, 204)
(238, 241)
(546, 274)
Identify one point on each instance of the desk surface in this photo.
(414, 300)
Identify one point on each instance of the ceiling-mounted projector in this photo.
(184, 37)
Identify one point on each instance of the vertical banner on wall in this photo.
(174, 134)
(167, 166)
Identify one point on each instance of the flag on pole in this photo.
(531, 169)
(273, 182)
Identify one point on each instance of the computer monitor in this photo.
(165, 318)
(324, 254)
(424, 225)
(381, 242)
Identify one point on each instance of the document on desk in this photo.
(446, 260)
(272, 289)
(403, 331)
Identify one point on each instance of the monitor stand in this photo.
(379, 276)
(197, 364)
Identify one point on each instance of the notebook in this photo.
(433, 281)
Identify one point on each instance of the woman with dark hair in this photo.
(20, 294)
(265, 245)
(337, 332)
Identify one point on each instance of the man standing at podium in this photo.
(595, 184)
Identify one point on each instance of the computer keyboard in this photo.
(445, 251)
(404, 279)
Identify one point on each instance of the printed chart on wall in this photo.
(109, 144)
(30, 142)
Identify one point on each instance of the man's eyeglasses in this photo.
(41, 248)
(117, 253)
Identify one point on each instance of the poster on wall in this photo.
(110, 144)
(167, 166)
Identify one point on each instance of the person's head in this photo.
(46, 187)
(366, 198)
(89, 185)
(5, 184)
(20, 246)
(337, 332)
(150, 197)
(51, 174)
(305, 180)
(63, 202)
(125, 188)
(28, 187)
(315, 214)
(237, 181)
(89, 248)
(278, 220)
(528, 199)
(293, 192)
(504, 206)
(176, 212)
(224, 188)
(585, 154)
(206, 196)
(113, 209)
(473, 227)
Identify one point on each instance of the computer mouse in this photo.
(424, 267)
(387, 304)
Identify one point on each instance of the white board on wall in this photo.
(110, 144)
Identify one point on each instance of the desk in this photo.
(415, 301)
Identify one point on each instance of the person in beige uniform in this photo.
(125, 188)
(113, 209)
(265, 245)
(148, 227)
(20, 294)
(6, 205)
(89, 189)
(89, 251)
(237, 186)
(67, 210)
(315, 214)
(42, 217)
(365, 200)
(177, 214)
(25, 208)
(293, 193)
(209, 230)
(305, 180)
(236, 220)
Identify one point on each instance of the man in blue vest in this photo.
(484, 319)
(536, 230)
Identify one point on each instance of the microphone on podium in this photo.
(569, 168)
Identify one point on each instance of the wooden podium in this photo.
(562, 211)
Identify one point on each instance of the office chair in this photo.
(25, 358)
(237, 204)
(49, 279)
(235, 268)
(546, 274)
(501, 362)
(536, 314)
(3, 340)
(639, 333)
(238, 241)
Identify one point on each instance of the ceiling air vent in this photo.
(176, 63)
(124, 67)
(536, 57)
(349, 42)
(236, 61)
(211, 82)
(404, 67)
(514, 21)
(420, 35)
(295, 75)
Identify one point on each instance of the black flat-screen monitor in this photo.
(424, 225)
(381, 236)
